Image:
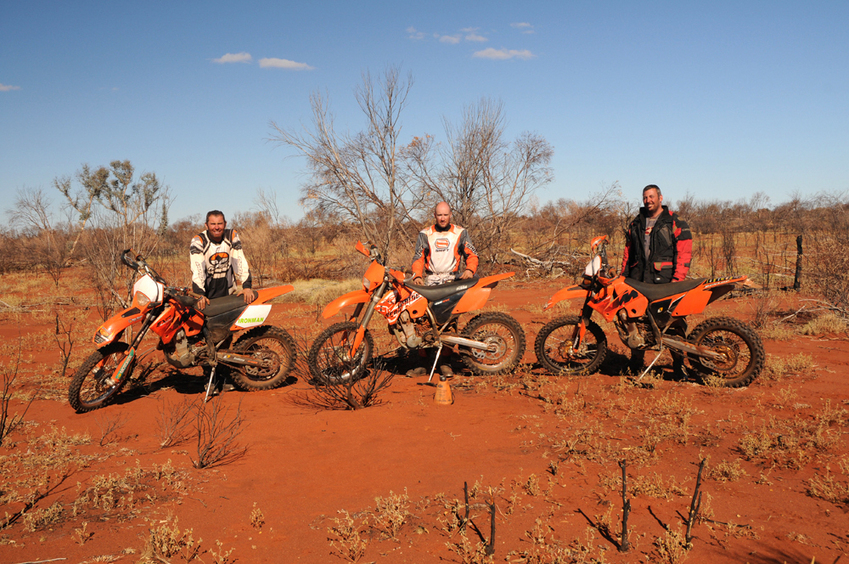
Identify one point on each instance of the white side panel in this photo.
(252, 316)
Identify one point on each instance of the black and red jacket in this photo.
(670, 249)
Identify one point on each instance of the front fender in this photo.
(349, 299)
(112, 328)
(568, 293)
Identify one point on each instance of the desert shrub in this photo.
(257, 517)
(828, 487)
(8, 375)
(670, 548)
(217, 435)
(173, 420)
(43, 518)
(828, 322)
(777, 367)
(727, 471)
(167, 541)
(391, 512)
(345, 537)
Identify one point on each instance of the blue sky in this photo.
(715, 99)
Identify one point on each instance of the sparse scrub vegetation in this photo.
(217, 435)
(9, 373)
(346, 537)
(760, 436)
(390, 513)
(778, 368)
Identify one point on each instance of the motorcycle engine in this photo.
(180, 354)
(635, 334)
(407, 335)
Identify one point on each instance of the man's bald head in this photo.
(442, 215)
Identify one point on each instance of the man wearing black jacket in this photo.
(658, 249)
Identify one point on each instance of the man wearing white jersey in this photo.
(439, 249)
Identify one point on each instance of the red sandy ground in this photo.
(304, 464)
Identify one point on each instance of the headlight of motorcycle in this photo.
(142, 299)
(366, 283)
(101, 337)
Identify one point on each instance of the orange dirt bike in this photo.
(420, 317)
(260, 358)
(722, 350)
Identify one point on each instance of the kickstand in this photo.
(433, 368)
(659, 352)
(209, 384)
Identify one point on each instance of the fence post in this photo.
(797, 280)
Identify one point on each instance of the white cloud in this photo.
(283, 64)
(503, 54)
(451, 39)
(8, 87)
(524, 27)
(413, 33)
(472, 34)
(234, 58)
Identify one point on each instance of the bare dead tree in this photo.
(49, 240)
(359, 176)
(487, 181)
(9, 373)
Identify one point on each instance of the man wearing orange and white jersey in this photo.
(218, 262)
(439, 249)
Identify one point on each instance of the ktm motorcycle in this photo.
(722, 350)
(419, 317)
(260, 357)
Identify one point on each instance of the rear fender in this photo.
(568, 293)
(477, 296)
(112, 328)
(349, 299)
(265, 294)
(697, 299)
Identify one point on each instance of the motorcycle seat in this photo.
(436, 293)
(217, 306)
(655, 292)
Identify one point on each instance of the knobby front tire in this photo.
(555, 351)
(330, 358)
(89, 389)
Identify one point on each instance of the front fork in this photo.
(581, 328)
(125, 368)
(364, 321)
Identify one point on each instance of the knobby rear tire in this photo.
(554, 350)
(267, 342)
(740, 343)
(87, 391)
(500, 330)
